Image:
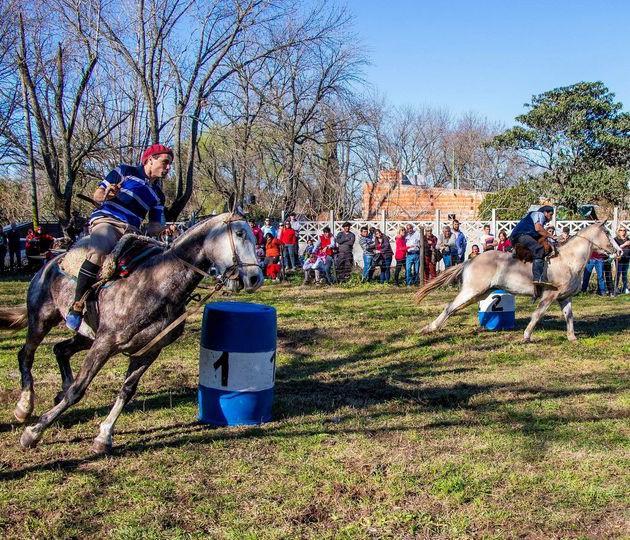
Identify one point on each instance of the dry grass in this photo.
(378, 432)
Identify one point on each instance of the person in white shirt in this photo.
(412, 264)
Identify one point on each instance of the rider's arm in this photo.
(156, 217)
(154, 228)
(540, 229)
(109, 187)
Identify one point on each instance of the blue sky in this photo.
(489, 56)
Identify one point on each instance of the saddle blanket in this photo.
(130, 251)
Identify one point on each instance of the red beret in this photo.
(154, 150)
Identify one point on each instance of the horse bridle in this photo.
(231, 272)
(592, 242)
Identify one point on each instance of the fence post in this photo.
(421, 265)
(615, 220)
(436, 224)
(383, 222)
(494, 222)
(554, 221)
(331, 221)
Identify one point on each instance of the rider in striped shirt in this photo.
(127, 196)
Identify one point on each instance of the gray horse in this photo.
(133, 311)
(497, 270)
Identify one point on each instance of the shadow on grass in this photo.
(588, 326)
(296, 399)
(329, 386)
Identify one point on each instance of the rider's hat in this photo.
(155, 150)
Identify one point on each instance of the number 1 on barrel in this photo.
(224, 363)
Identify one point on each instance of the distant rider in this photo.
(126, 196)
(527, 233)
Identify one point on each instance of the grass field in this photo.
(378, 432)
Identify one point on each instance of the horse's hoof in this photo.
(527, 340)
(572, 338)
(425, 330)
(99, 447)
(60, 395)
(21, 414)
(29, 439)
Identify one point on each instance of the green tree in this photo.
(511, 202)
(574, 135)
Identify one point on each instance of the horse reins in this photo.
(230, 273)
(591, 241)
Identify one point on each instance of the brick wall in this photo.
(411, 202)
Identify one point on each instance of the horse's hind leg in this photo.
(94, 361)
(465, 297)
(38, 327)
(137, 366)
(547, 299)
(64, 350)
(567, 311)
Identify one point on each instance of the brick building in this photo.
(405, 201)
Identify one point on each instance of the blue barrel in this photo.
(497, 311)
(237, 363)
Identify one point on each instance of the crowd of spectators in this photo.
(329, 258)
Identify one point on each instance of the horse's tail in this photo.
(14, 317)
(444, 278)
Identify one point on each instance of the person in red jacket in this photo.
(504, 242)
(327, 246)
(260, 237)
(400, 254)
(288, 239)
(273, 249)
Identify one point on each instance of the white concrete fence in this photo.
(473, 230)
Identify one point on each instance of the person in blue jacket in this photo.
(527, 233)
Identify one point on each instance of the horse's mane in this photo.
(577, 235)
(188, 232)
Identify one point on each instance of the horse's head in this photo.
(231, 246)
(602, 240)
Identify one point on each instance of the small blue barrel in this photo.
(237, 363)
(497, 311)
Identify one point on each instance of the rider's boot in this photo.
(88, 275)
(539, 270)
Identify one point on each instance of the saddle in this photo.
(130, 251)
(523, 254)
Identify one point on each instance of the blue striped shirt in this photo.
(137, 197)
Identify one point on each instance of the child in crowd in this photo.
(504, 242)
(487, 239)
(308, 250)
(475, 252)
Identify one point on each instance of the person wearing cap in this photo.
(345, 243)
(126, 196)
(527, 233)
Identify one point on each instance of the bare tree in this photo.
(57, 60)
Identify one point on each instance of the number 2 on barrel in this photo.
(223, 362)
(495, 305)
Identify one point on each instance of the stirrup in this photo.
(544, 284)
